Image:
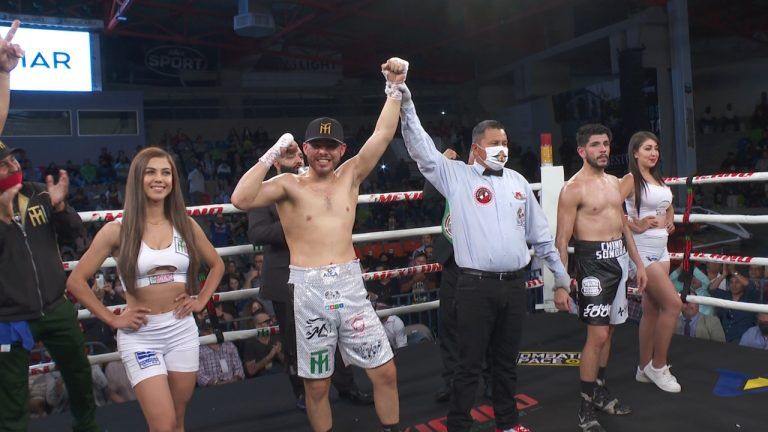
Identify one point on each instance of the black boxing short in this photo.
(601, 273)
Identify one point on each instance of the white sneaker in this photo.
(662, 378)
(640, 376)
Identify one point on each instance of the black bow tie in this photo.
(490, 172)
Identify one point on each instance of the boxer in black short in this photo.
(590, 210)
(601, 274)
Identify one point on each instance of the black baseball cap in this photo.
(5, 150)
(324, 128)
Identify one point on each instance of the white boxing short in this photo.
(330, 307)
(652, 248)
(165, 343)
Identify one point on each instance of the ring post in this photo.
(552, 180)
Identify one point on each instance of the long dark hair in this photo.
(634, 145)
(134, 217)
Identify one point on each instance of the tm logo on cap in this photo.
(325, 128)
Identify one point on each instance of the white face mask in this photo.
(496, 157)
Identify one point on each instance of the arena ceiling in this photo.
(450, 40)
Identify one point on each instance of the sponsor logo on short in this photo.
(596, 311)
(318, 362)
(146, 359)
(611, 249)
(367, 350)
(357, 323)
(316, 327)
(590, 286)
(331, 295)
(331, 272)
(334, 306)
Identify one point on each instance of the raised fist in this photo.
(284, 147)
(395, 70)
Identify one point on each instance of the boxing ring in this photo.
(724, 386)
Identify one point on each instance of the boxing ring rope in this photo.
(217, 209)
(239, 334)
(204, 340)
(356, 238)
(252, 292)
(207, 210)
(710, 218)
(720, 178)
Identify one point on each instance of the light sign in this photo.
(54, 60)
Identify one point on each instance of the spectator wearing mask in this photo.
(757, 336)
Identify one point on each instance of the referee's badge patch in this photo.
(590, 286)
(483, 195)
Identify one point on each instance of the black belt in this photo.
(480, 274)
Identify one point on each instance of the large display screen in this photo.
(54, 60)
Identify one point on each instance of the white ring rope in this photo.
(356, 238)
(710, 218)
(429, 268)
(720, 178)
(246, 334)
(215, 209)
(721, 258)
(727, 304)
(253, 292)
(204, 340)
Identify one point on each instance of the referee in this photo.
(494, 215)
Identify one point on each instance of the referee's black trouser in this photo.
(449, 350)
(488, 312)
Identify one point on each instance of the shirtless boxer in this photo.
(317, 210)
(590, 210)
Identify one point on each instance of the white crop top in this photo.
(175, 256)
(655, 201)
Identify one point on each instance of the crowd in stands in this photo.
(750, 153)
(747, 284)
